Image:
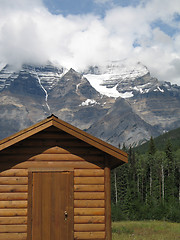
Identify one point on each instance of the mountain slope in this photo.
(160, 142)
(118, 103)
(122, 125)
(157, 103)
(73, 99)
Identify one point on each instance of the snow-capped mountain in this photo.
(118, 79)
(117, 102)
(48, 74)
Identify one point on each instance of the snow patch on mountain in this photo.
(158, 88)
(96, 82)
(89, 102)
(123, 69)
(105, 79)
(49, 75)
(46, 94)
(2, 65)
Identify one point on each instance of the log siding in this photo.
(89, 204)
(54, 145)
(85, 161)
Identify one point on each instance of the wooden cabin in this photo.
(55, 183)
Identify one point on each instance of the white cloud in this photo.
(30, 34)
(14, 5)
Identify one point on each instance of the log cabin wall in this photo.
(54, 149)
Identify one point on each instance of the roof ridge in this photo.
(52, 115)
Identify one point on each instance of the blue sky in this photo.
(66, 7)
(100, 7)
(81, 33)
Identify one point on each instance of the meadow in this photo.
(145, 230)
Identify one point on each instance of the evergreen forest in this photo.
(148, 186)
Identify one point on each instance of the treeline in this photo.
(148, 186)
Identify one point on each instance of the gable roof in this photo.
(118, 155)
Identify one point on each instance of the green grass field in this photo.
(145, 230)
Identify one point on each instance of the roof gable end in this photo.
(64, 126)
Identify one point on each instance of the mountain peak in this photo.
(118, 101)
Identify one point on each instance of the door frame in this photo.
(30, 197)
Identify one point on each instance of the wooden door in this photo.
(51, 210)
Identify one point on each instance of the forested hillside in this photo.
(148, 186)
(160, 142)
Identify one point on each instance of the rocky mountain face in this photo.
(117, 102)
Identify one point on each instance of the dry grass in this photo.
(145, 230)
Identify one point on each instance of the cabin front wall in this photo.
(53, 150)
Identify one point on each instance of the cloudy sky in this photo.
(80, 33)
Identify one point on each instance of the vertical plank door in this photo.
(52, 206)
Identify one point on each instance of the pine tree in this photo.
(148, 187)
(151, 152)
(169, 155)
(170, 175)
(152, 148)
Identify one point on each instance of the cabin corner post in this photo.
(29, 210)
(107, 183)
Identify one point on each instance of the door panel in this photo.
(52, 196)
